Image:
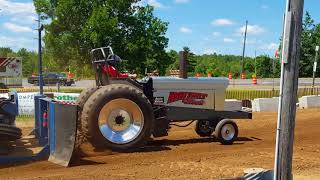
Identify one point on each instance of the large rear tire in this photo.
(118, 117)
(83, 98)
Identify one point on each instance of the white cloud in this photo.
(270, 46)
(228, 40)
(216, 34)
(181, 1)
(17, 43)
(9, 7)
(15, 13)
(156, 4)
(209, 51)
(222, 22)
(252, 29)
(28, 19)
(16, 28)
(185, 30)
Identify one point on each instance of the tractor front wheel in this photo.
(226, 131)
(118, 117)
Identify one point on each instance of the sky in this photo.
(205, 26)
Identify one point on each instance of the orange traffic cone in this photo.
(254, 80)
(243, 76)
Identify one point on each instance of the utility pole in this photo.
(1, 14)
(315, 68)
(244, 51)
(183, 55)
(289, 88)
(273, 65)
(40, 29)
(255, 62)
(273, 69)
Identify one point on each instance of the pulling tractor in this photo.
(122, 113)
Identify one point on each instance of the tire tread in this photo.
(92, 101)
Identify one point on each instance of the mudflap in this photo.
(62, 133)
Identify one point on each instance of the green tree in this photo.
(317, 42)
(174, 58)
(28, 62)
(77, 26)
(264, 66)
(191, 60)
(307, 47)
(5, 52)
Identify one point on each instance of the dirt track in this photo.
(183, 155)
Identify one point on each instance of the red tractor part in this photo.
(113, 72)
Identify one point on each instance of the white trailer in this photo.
(11, 72)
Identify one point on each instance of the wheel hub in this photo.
(121, 121)
(228, 132)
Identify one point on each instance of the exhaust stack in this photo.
(183, 65)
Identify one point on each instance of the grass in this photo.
(24, 118)
(25, 121)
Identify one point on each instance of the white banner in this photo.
(26, 100)
(26, 103)
(66, 97)
(4, 95)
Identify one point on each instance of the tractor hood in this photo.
(202, 92)
(204, 81)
